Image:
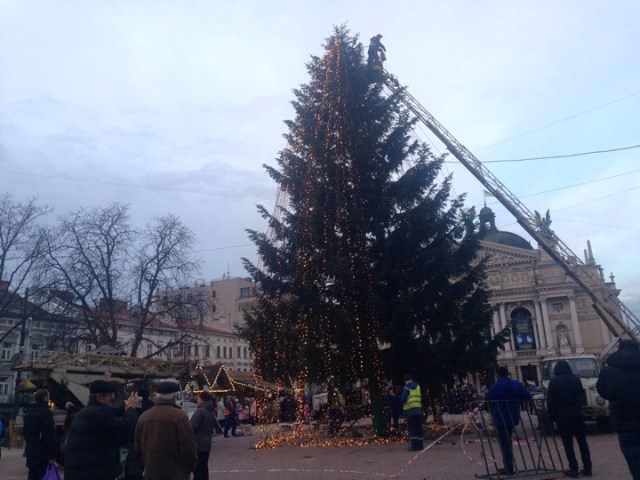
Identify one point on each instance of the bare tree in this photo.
(86, 255)
(163, 260)
(20, 247)
(113, 269)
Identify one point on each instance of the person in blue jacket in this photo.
(505, 397)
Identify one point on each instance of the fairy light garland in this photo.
(325, 186)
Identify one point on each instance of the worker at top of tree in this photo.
(376, 53)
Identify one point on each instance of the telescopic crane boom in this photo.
(601, 298)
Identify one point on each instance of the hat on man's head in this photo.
(102, 386)
(168, 387)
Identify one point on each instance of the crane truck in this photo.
(619, 319)
(616, 316)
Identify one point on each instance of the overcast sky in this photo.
(173, 106)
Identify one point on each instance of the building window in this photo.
(35, 351)
(239, 356)
(218, 351)
(149, 349)
(247, 291)
(245, 352)
(557, 306)
(224, 352)
(6, 351)
(4, 387)
(522, 326)
(207, 351)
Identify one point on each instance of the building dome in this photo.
(486, 211)
(490, 233)
(507, 238)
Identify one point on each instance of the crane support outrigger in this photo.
(628, 324)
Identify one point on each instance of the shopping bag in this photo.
(51, 473)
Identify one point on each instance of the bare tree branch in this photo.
(21, 242)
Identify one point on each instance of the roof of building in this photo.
(490, 233)
(507, 238)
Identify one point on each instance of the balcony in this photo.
(526, 353)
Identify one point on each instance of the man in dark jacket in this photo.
(564, 403)
(619, 383)
(96, 435)
(202, 422)
(145, 402)
(40, 436)
(505, 397)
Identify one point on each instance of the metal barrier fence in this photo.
(512, 442)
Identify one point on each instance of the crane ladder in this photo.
(603, 301)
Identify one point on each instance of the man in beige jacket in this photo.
(164, 438)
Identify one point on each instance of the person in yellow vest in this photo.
(412, 409)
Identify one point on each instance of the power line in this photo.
(594, 152)
(561, 120)
(597, 199)
(621, 227)
(225, 248)
(549, 157)
(129, 185)
(580, 184)
(586, 201)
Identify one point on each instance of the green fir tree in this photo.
(369, 271)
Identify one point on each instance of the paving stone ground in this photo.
(454, 457)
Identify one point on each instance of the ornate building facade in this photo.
(549, 313)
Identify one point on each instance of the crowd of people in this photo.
(157, 440)
(154, 440)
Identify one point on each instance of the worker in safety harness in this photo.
(412, 409)
(376, 54)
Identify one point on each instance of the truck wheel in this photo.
(604, 424)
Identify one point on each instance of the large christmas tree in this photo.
(369, 270)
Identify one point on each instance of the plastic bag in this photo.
(51, 473)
